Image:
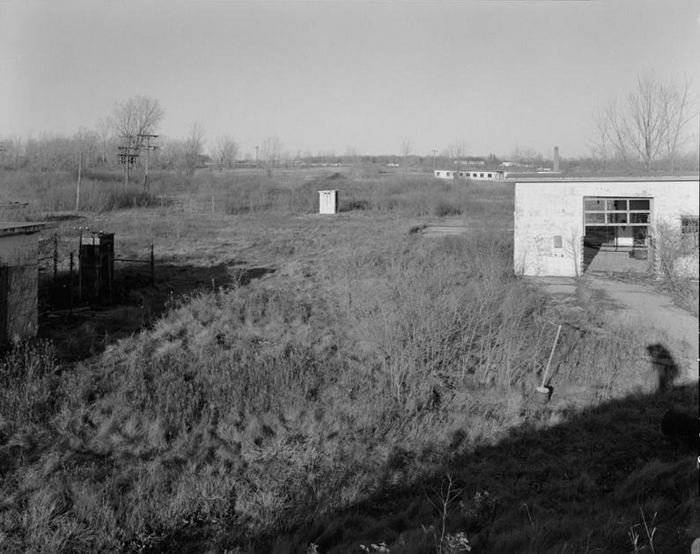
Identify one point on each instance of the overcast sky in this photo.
(326, 75)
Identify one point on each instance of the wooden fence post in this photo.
(55, 257)
(70, 286)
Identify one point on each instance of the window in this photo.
(639, 217)
(618, 212)
(557, 241)
(639, 205)
(616, 205)
(617, 217)
(595, 218)
(489, 175)
(481, 174)
(689, 230)
(594, 204)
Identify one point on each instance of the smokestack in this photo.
(556, 159)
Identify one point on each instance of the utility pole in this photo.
(256, 160)
(149, 147)
(77, 189)
(127, 157)
(435, 151)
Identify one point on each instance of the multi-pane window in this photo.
(618, 222)
(616, 211)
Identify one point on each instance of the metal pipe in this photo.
(551, 355)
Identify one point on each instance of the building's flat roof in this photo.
(20, 227)
(625, 179)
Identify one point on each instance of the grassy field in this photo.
(306, 383)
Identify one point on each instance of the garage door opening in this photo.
(617, 236)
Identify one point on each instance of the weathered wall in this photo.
(18, 249)
(19, 253)
(547, 210)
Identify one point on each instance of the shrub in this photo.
(28, 383)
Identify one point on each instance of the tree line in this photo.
(122, 138)
(648, 130)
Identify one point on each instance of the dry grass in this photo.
(321, 403)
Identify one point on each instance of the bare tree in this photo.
(194, 145)
(225, 151)
(86, 143)
(677, 114)
(406, 147)
(105, 130)
(650, 123)
(458, 149)
(600, 144)
(132, 119)
(526, 156)
(136, 117)
(11, 151)
(172, 154)
(271, 151)
(644, 125)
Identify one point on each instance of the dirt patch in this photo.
(454, 226)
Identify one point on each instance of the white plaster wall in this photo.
(544, 210)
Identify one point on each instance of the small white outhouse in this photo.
(328, 201)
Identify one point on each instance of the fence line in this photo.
(49, 251)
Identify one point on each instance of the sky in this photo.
(331, 75)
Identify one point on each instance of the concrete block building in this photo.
(19, 278)
(564, 227)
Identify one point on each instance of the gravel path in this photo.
(637, 304)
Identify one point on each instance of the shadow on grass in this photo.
(580, 485)
(81, 329)
(664, 365)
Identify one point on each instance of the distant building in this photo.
(567, 227)
(476, 162)
(482, 175)
(19, 280)
(444, 174)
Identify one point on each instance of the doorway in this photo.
(617, 234)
